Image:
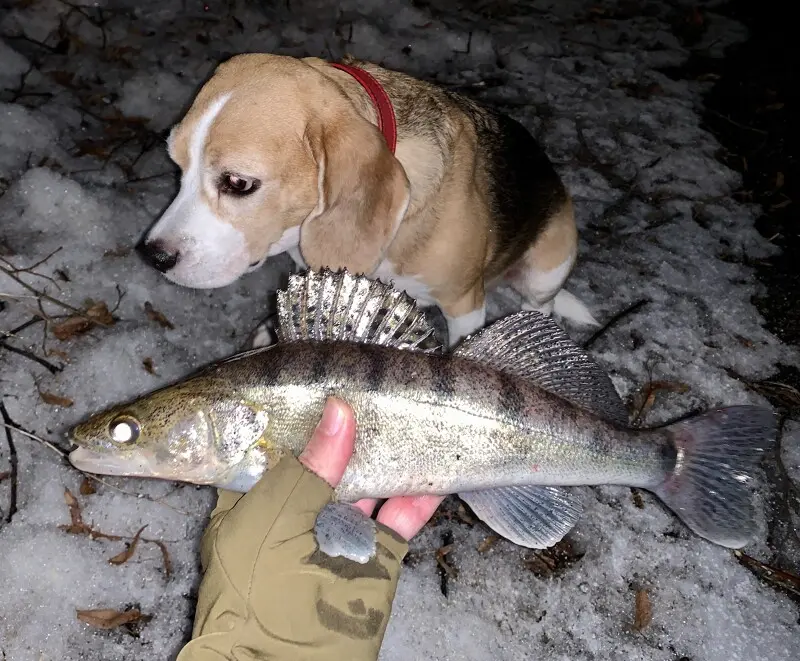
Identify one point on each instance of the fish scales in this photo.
(422, 415)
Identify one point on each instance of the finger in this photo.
(366, 505)
(331, 446)
(407, 514)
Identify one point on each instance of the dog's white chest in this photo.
(411, 284)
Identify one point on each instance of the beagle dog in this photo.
(352, 165)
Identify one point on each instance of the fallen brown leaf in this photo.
(671, 386)
(147, 363)
(87, 488)
(158, 317)
(5, 475)
(58, 354)
(99, 312)
(96, 313)
(647, 396)
(95, 148)
(77, 526)
(441, 554)
(119, 251)
(643, 610)
(64, 78)
(71, 327)
(123, 557)
(487, 543)
(106, 618)
(780, 205)
(553, 561)
(164, 557)
(55, 400)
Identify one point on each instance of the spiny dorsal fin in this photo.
(329, 306)
(532, 346)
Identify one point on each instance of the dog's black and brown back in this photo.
(524, 192)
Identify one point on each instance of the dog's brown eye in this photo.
(234, 184)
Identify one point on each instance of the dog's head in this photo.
(274, 155)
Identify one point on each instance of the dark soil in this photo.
(752, 110)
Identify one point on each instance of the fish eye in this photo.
(124, 429)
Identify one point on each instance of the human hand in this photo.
(327, 455)
(263, 543)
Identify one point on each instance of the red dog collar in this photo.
(387, 122)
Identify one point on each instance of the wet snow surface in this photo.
(88, 90)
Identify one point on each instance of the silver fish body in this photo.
(436, 424)
(509, 421)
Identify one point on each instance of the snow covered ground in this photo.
(89, 86)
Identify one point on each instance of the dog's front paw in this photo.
(262, 337)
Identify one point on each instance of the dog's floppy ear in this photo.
(363, 194)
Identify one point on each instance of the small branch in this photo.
(53, 369)
(42, 295)
(21, 327)
(14, 427)
(737, 124)
(13, 462)
(136, 180)
(30, 269)
(614, 320)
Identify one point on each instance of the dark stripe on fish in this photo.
(510, 399)
(376, 370)
(444, 377)
(319, 362)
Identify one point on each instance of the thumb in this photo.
(331, 446)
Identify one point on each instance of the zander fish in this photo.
(509, 421)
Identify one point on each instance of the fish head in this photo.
(191, 432)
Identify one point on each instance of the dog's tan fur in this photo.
(432, 212)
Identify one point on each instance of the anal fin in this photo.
(531, 516)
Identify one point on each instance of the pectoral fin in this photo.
(531, 516)
(342, 530)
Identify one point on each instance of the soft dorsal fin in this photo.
(532, 346)
(329, 306)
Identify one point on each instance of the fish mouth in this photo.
(108, 464)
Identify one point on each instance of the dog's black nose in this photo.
(156, 254)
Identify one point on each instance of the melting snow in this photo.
(659, 224)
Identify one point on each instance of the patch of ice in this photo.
(157, 96)
(25, 137)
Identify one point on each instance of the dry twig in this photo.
(614, 320)
(13, 463)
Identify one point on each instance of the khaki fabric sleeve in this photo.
(267, 591)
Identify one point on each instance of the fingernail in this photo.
(332, 419)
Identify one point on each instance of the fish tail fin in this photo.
(716, 454)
